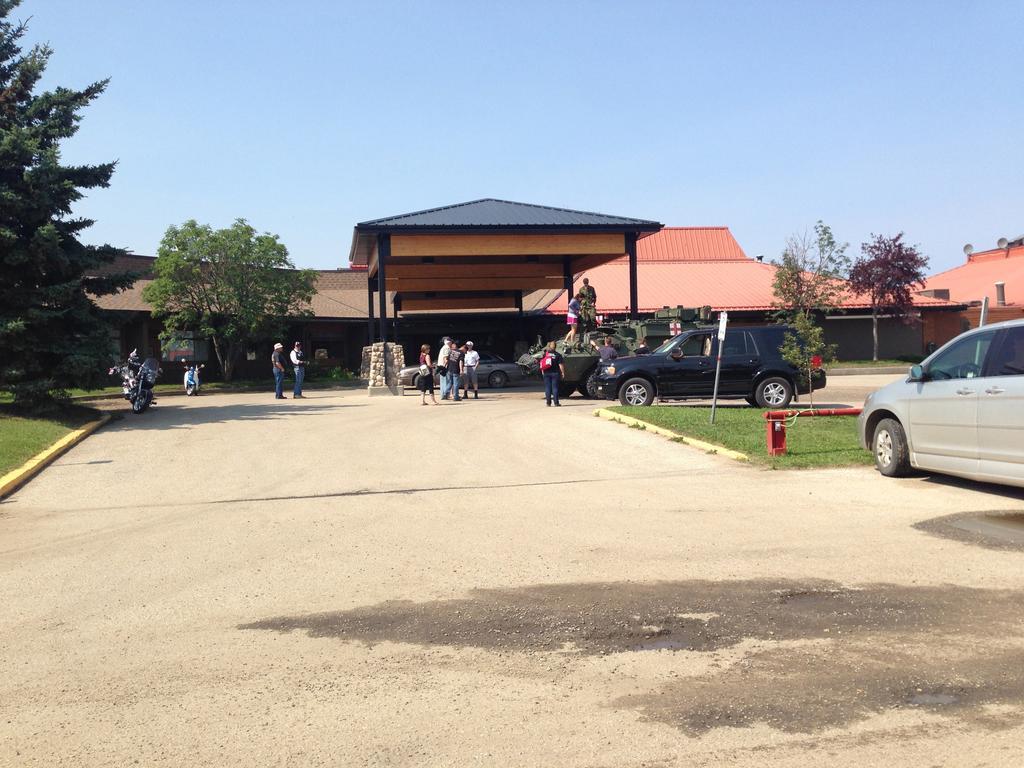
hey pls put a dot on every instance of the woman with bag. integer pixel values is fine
(425, 382)
(552, 368)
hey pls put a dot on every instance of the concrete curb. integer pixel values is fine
(693, 442)
(869, 370)
(16, 478)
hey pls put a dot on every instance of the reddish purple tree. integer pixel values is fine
(887, 273)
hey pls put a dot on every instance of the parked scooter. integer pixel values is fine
(192, 378)
(137, 380)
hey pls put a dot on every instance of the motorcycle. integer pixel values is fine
(192, 378)
(137, 380)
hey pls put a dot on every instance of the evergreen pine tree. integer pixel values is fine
(52, 335)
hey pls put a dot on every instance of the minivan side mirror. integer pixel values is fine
(917, 373)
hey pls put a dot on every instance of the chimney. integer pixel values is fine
(1000, 294)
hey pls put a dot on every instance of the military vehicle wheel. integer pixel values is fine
(497, 380)
(589, 387)
(774, 392)
(636, 392)
(565, 390)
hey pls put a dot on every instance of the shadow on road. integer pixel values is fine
(175, 416)
(1006, 491)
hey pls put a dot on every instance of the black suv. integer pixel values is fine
(684, 367)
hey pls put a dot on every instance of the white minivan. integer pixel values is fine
(960, 412)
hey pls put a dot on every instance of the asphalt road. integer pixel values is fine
(231, 580)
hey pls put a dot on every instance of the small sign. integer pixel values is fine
(723, 321)
(675, 328)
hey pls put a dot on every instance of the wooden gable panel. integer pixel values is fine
(507, 245)
(500, 269)
(458, 303)
(451, 285)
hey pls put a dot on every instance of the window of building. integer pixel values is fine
(186, 346)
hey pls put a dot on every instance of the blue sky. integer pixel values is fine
(306, 117)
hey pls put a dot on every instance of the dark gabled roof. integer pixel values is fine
(497, 214)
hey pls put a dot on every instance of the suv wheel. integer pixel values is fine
(889, 445)
(774, 392)
(636, 392)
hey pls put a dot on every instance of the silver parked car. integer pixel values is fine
(960, 412)
(492, 371)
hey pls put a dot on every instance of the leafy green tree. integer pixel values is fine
(51, 332)
(805, 342)
(886, 273)
(232, 285)
(809, 276)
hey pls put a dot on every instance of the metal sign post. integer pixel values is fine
(723, 321)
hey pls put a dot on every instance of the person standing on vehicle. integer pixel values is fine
(454, 370)
(425, 382)
(552, 367)
(571, 318)
(588, 305)
(277, 360)
(469, 363)
(299, 364)
(442, 366)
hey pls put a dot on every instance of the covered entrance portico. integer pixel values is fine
(484, 255)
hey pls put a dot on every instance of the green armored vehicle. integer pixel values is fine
(581, 358)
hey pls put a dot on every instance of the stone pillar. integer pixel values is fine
(380, 366)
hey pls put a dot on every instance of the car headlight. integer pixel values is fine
(610, 370)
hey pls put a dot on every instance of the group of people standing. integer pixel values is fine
(298, 360)
(456, 368)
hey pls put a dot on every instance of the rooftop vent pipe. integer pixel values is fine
(1000, 294)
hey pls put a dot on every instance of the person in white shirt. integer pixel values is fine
(442, 362)
(469, 364)
(298, 358)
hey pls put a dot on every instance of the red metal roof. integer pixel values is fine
(977, 278)
(693, 267)
(690, 244)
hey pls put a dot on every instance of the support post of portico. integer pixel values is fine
(631, 252)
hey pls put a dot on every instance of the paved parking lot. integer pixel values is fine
(232, 580)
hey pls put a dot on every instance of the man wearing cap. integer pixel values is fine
(277, 360)
(454, 363)
(469, 363)
(299, 363)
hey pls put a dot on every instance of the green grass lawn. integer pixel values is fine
(825, 441)
(23, 437)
